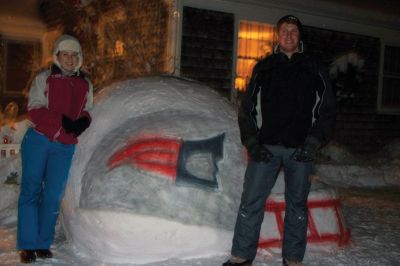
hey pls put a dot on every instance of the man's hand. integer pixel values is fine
(257, 152)
(308, 151)
(261, 154)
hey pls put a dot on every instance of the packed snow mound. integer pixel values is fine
(336, 153)
(11, 135)
(390, 153)
(13, 132)
(338, 166)
(160, 168)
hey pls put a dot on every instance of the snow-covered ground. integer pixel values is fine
(373, 216)
(369, 187)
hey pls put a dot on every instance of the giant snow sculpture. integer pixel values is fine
(158, 174)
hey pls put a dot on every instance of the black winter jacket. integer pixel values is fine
(296, 101)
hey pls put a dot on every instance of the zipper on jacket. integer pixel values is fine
(83, 101)
(58, 133)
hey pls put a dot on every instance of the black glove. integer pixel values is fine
(67, 124)
(257, 152)
(260, 154)
(77, 126)
(81, 124)
(308, 151)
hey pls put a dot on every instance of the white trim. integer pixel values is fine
(381, 109)
(236, 23)
(174, 38)
(21, 28)
(178, 10)
(380, 78)
(311, 13)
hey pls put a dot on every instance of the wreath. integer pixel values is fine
(346, 72)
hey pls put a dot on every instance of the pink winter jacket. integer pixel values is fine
(54, 94)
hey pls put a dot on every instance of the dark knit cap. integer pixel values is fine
(291, 20)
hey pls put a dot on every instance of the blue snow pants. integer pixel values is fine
(258, 183)
(45, 168)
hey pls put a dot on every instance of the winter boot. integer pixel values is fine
(235, 261)
(44, 253)
(286, 262)
(27, 256)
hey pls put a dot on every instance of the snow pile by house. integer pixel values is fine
(342, 168)
(11, 135)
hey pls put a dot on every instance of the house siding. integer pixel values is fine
(142, 27)
(358, 125)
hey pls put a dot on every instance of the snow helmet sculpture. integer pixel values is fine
(163, 151)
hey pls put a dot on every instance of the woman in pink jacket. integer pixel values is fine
(59, 100)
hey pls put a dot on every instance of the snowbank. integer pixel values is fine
(342, 168)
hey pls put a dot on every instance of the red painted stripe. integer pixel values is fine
(278, 209)
(141, 145)
(155, 154)
(272, 206)
(344, 233)
(311, 226)
(164, 169)
(323, 238)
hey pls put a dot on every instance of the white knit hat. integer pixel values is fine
(67, 43)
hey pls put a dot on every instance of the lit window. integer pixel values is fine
(389, 99)
(255, 41)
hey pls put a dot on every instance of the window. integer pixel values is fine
(119, 48)
(206, 48)
(111, 34)
(21, 62)
(389, 94)
(255, 41)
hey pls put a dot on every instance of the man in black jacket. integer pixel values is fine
(298, 113)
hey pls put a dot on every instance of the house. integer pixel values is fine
(360, 43)
(217, 42)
